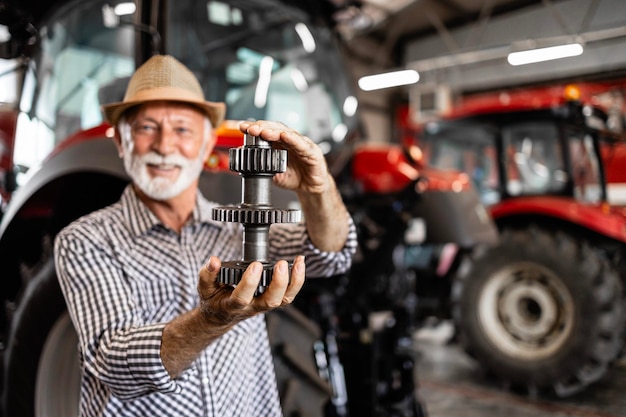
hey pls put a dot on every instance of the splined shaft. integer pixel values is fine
(257, 162)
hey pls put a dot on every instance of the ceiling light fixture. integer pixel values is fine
(299, 80)
(308, 41)
(263, 83)
(350, 104)
(5, 35)
(532, 56)
(123, 9)
(388, 79)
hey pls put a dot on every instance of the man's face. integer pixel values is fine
(166, 148)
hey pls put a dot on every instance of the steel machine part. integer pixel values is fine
(257, 162)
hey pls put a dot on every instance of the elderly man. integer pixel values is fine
(157, 334)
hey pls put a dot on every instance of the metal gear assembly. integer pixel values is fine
(256, 162)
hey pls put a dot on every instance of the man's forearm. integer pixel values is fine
(184, 338)
(326, 219)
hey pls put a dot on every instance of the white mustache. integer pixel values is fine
(154, 158)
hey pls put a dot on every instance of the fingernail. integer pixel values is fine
(299, 264)
(211, 266)
(256, 268)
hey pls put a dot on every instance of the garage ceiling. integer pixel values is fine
(464, 43)
(461, 46)
(389, 24)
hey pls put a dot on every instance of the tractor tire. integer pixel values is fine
(42, 375)
(542, 311)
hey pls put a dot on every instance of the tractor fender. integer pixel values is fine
(97, 155)
(599, 218)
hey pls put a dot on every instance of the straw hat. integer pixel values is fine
(163, 77)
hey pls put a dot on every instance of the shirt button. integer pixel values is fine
(205, 381)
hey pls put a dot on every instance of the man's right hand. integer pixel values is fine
(224, 305)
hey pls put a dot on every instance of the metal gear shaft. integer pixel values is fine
(257, 162)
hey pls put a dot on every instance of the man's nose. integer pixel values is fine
(165, 141)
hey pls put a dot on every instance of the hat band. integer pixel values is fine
(164, 93)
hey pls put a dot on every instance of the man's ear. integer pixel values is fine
(210, 145)
(117, 139)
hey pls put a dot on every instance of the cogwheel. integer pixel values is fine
(255, 215)
(232, 271)
(260, 161)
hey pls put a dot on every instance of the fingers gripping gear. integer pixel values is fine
(257, 162)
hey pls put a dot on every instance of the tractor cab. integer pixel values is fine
(516, 145)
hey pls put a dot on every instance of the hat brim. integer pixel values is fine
(214, 110)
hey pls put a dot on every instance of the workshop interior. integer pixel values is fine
(477, 145)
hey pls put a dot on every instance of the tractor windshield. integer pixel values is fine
(464, 147)
(77, 56)
(516, 157)
(266, 60)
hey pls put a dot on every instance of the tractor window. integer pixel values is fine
(266, 60)
(79, 55)
(533, 159)
(464, 147)
(585, 168)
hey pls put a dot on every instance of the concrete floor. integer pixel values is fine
(452, 385)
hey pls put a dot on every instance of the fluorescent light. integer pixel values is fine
(299, 80)
(263, 83)
(124, 9)
(307, 39)
(545, 54)
(5, 35)
(389, 79)
(339, 132)
(350, 105)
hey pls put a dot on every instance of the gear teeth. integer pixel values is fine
(260, 161)
(255, 215)
(257, 162)
(232, 271)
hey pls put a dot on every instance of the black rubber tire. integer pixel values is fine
(542, 311)
(41, 327)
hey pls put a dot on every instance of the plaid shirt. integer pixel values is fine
(124, 276)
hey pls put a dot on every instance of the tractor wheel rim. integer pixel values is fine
(526, 311)
(57, 387)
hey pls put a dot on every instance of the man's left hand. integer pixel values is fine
(306, 166)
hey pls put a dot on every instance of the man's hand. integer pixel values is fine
(307, 174)
(307, 171)
(222, 307)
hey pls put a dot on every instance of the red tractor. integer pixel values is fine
(544, 309)
(275, 59)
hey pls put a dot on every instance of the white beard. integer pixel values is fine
(159, 188)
